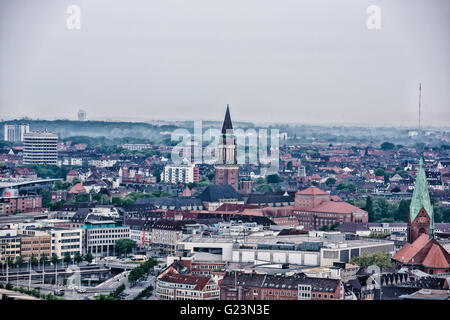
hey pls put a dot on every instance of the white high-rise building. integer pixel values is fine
(180, 174)
(15, 132)
(40, 147)
(81, 115)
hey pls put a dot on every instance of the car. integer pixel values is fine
(81, 290)
(58, 292)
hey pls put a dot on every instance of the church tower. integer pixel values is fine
(421, 218)
(226, 168)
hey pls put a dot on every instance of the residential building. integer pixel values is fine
(35, 246)
(177, 283)
(40, 147)
(15, 132)
(180, 174)
(10, 205)
(9, 245)
(253, 286)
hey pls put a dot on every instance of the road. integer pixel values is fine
(136, 289)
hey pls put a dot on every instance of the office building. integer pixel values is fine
(40, 147)
(180, 174)
(81, 115)
(15, 132)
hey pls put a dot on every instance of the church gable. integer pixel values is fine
(422, 218)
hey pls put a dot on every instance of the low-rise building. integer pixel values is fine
(167, 233)
(10, 205)
(252, 286)
(63, 240)
(9, 245)
(36, 246)
(177, 283)
(100, 236)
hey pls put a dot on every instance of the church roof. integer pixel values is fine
(227, 124)
(215, 193)
(421, 197)
(425, 251)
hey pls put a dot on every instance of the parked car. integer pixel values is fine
(59, 292)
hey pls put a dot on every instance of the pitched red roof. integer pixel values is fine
(312, 191)
(199, 281)
(335, 207)
(424, 251)
(78, 188)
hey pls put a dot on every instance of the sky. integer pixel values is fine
(296, 61)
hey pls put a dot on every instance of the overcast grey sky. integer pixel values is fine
(306, 61)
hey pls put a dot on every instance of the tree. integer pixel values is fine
(289, 166)
(346, 187)
(369, 208)
(124, 246)
(192, 185)
(19, 261)
(78, 258)
(88, 257)
(330, 182)
(157, 174)
(387, 176)
(383, 209)
(54, 259)
(379, 259)
(33, 260)
(264, 187)
(67, 258)
(43, 259)
(379, 172)
(82, 197)
(260, 181)
(387, 146)
(273, 178)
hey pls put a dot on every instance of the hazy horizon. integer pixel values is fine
(295, 62)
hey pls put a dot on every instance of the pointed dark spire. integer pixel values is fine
(227, 125)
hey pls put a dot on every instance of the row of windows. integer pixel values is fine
(288, 293)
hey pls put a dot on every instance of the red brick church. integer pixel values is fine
(422, 251)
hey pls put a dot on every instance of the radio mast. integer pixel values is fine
(420, 108)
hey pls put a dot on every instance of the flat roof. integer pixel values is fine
(11, 183)
(293, 239)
